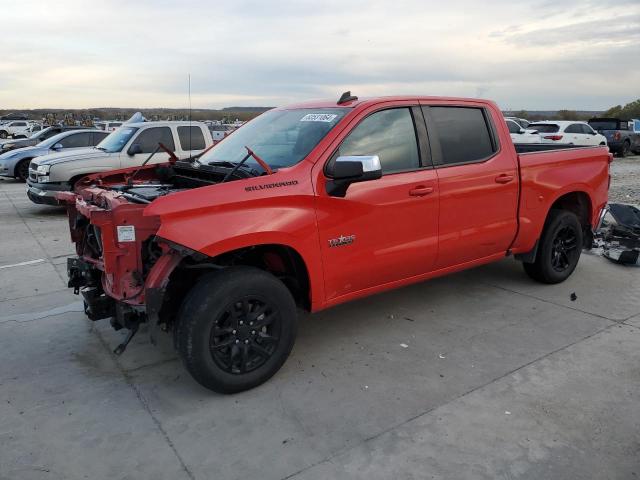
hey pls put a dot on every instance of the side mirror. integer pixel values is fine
(351, 169)
(57, 146)
(135, 149)
(521, 131)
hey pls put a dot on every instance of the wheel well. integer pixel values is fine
(282, 261)
(20, 162)
(578, 203)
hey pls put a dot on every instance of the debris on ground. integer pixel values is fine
(442, 355)
(573, 297)
(619, 234)
(404, 345)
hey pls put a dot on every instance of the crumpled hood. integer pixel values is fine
(69, 156)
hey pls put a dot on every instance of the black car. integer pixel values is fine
(34, 139)
(620, 138)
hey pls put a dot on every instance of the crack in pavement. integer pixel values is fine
(329, 458)
(559, 304)
(145, 406)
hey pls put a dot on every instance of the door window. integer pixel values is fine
(76, 140)
(149, 139)
(587, 129)
(390, 135)
(573, 128)
(191, 138)
(463, 133)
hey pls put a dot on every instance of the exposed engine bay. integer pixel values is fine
(179, 176)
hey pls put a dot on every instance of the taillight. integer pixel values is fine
(553, 137)
(617, 136)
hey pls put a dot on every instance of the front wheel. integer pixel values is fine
(559, 248)
(236, 328)
(22, 170)
(3, 134)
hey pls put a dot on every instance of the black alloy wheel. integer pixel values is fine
(245, 335)
(564, 248)
(559, 248)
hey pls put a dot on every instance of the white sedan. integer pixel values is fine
(572, 133)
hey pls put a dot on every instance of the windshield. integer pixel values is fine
(544, 127)
(280, 137)
(41, 134)
(116, 141)
(604, 125)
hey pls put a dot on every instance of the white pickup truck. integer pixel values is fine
(129, 146)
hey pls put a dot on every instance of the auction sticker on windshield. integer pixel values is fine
(319, 117)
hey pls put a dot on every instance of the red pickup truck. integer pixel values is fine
(315, 204)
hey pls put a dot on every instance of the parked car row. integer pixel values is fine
(618, 135)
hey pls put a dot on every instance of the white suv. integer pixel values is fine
(15, 129)
(572, 133)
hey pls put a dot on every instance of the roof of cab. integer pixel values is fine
(333, 103)
(180, 123)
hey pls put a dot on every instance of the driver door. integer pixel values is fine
(148, 140)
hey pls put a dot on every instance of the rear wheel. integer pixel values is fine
(236, 328)
(559, 248)
(22, 170)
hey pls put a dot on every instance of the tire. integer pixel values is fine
(216, 345)
(3, 134)
(559, 248)
(626, 148)
(22, 170)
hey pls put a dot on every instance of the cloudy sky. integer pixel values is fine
(540, 54)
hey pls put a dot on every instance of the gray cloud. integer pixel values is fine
(573, 53)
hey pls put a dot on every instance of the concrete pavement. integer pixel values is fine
(483, 374)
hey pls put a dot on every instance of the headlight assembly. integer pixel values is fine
(43, 169)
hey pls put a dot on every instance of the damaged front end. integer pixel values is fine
(619, 233)
(122, 268)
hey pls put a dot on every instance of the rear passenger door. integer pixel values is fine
(478, 182)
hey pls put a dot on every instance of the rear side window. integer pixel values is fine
(390, 134)
(463, 133)
(574, 128)
(149, 139)
(76, 140)
(191, 138)
(544, 127)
